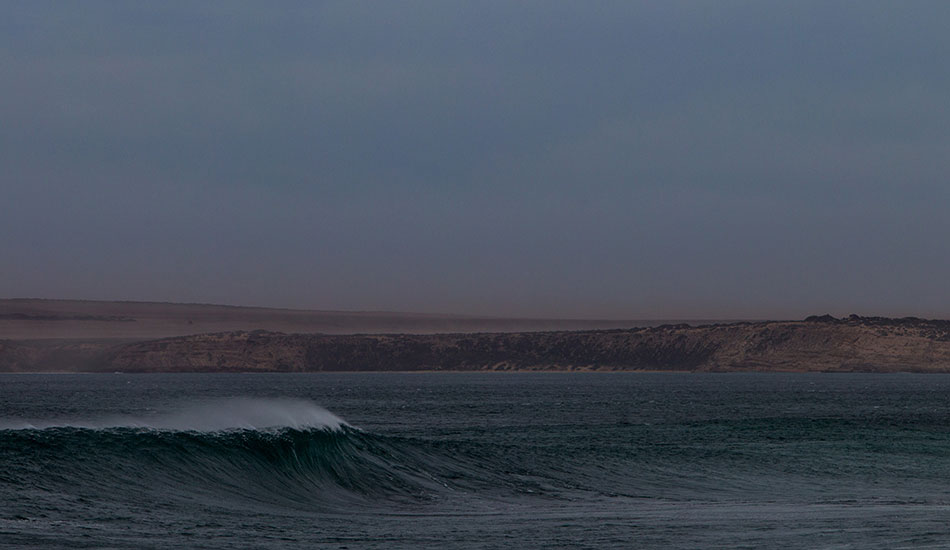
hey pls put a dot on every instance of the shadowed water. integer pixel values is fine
(475, 460)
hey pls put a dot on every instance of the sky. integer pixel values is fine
(628, 160)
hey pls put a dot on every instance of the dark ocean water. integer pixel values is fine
(595, 460)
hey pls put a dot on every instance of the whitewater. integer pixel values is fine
(477, 460)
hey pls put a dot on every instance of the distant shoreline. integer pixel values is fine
(478, 372)
(816, 344)
(41, 319)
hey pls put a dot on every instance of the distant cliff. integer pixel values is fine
(867, 344)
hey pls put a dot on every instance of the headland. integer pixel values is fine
(175, 338)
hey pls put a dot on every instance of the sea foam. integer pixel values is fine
(205, 416)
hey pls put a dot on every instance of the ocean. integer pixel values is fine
(475, 460)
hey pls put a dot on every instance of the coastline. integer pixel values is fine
(817, 344)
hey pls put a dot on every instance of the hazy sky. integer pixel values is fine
(574, 159)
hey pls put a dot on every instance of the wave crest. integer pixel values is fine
(208, 416)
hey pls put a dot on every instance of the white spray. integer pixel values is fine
(207, 416)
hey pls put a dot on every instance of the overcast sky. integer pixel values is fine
(568, 159)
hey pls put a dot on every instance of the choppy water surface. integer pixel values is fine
(475, 460)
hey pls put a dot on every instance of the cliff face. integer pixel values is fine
(816, 344)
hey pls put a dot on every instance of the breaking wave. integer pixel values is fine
(233, 453)
(209, 416)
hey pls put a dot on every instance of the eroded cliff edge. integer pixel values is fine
(867, 344)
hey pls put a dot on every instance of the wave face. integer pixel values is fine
(239, 452)
(472, 461)
(279, 455)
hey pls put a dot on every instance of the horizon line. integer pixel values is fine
(397, 312)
